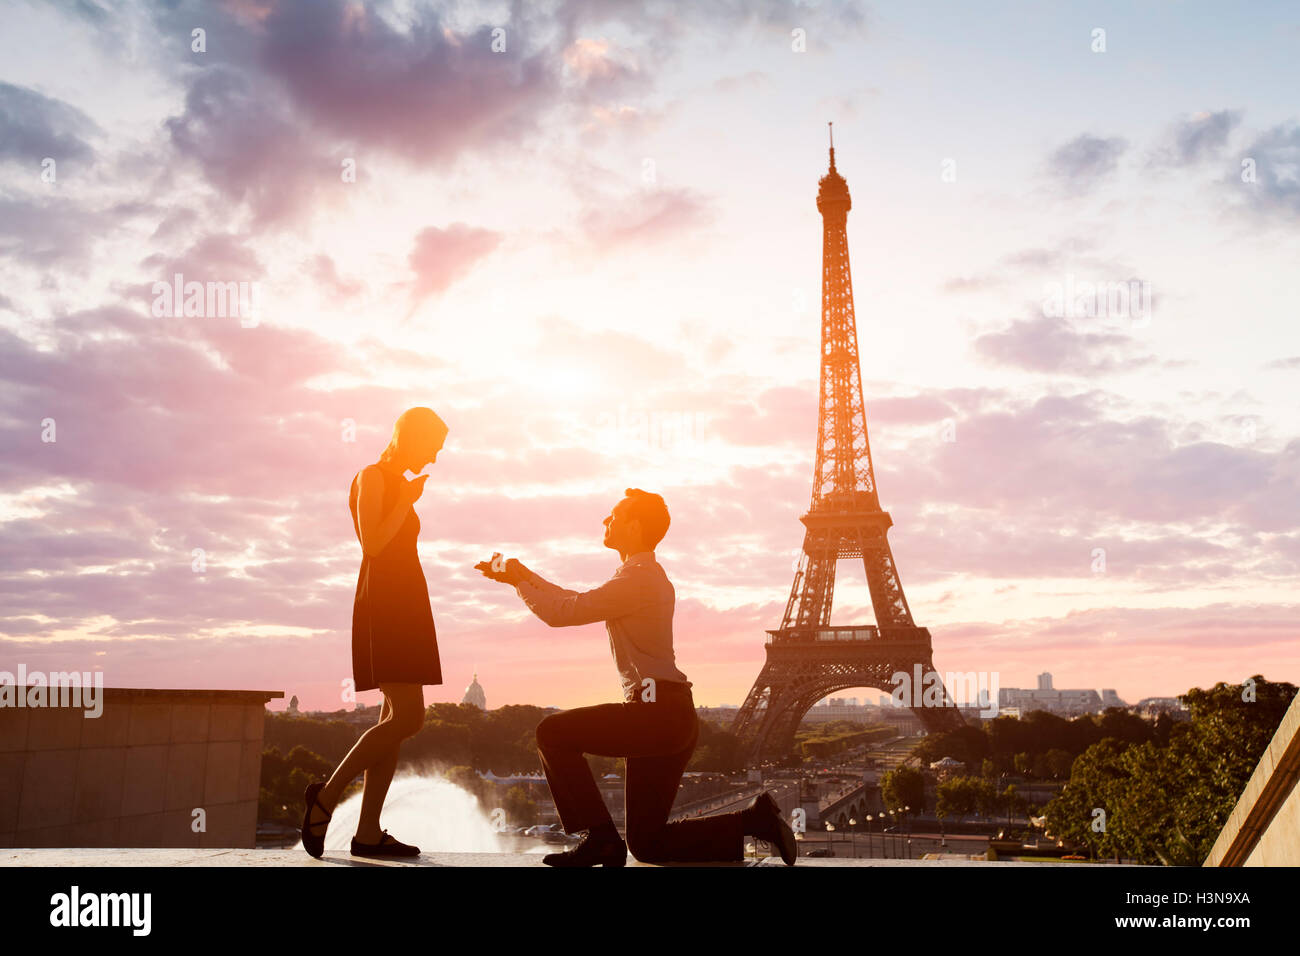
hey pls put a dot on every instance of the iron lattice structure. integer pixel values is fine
(808, 659)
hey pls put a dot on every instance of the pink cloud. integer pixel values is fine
(442, 256)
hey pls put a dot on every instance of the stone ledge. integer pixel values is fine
(97, 856)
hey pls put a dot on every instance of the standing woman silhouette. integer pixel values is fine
(394, 644)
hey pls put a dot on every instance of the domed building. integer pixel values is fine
(474, 695)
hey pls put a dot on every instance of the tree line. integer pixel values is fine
(1157, 792)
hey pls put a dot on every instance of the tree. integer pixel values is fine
(519, 807)
(903, 787)
(1118, 724)
(1058, 764)
(1167, 802)
(1098, 782)
(1012, 802)
(985, 795)
(717, 751)
(956, 797)
(968, 744)
(1040, 769)
(283, 780)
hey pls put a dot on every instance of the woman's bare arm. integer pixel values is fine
(378, 529)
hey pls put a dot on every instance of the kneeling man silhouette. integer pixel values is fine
(655, 727)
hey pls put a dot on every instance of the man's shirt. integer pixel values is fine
(636, 605)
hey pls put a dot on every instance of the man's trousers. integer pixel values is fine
(657, 738)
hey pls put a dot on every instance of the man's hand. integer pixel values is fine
(511, 574)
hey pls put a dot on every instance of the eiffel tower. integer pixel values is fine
(808, 659)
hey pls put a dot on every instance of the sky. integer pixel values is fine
(586, 235)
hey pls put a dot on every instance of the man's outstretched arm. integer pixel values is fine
(526, 573)
(560, 607)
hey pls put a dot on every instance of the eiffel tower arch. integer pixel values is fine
(807, 659)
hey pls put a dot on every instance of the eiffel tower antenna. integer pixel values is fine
(807, 658)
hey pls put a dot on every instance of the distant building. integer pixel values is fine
(947, 767)
(901, 718)
(361, 716)
(836, 708)
(474, 695)
(841, 708)
(1019, 701)
(1152, 707)
(723, 714)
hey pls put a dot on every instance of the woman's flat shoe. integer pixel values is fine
(313, 842)
(387, 846)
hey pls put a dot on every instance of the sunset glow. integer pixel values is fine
(596, 254)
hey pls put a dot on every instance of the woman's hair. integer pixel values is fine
(415, 425)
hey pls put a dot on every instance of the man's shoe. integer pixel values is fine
(592, 850)
(763, 820)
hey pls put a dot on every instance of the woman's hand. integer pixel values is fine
(410, 491)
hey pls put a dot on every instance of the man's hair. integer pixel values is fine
(651, 512)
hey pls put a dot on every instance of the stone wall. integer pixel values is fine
(135, 775)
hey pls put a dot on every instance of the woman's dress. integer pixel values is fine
(393, 637)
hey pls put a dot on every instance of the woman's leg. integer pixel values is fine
(380, 774)
(376, 780)
(378, 744)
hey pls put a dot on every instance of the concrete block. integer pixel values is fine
(94, 833)
(144, 789)
(231, 825)
(178, 829)
(144, 830)
(221, 778)
(47, 836)
(11, 788)
(190, 723)
(49, 787)
(150, 724)
(254, 721)
(55, 728)
(226, 721)
(100, 775)
(250, 770)
(185, 776)
(112, 728)
(13, 729)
